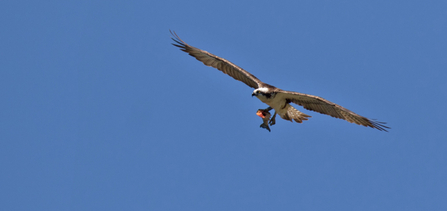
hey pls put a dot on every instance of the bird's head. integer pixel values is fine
(260, 92)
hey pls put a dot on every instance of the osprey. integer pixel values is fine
(276, 98)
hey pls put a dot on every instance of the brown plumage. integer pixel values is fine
(323, 106)
(276, 98)
(219, 63)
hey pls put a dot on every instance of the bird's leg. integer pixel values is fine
(273, 119)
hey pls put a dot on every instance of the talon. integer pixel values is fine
(272, 121)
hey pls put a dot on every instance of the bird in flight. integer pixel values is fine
(276, 98)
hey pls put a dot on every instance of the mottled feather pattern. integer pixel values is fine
(294, 114)
(219, 63)
(323, 106)
(309, 102)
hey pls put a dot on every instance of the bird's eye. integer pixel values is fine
(257, 92)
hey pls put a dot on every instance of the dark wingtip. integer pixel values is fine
(379, 125)
(178, 42)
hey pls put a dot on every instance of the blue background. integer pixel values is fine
(100, 112)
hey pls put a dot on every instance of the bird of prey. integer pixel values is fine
(276, 98)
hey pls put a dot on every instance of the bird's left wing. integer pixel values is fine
(219, 63)
(320, 105)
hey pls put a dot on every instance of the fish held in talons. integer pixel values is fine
(265, 115)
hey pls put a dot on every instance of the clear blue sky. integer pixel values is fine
(100, 112)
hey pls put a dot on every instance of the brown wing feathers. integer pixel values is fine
(309, 102)
(323, 106)
(219, 63)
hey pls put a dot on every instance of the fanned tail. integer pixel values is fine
(292, 113)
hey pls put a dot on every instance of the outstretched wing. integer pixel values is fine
(323, 106)
(219, 63)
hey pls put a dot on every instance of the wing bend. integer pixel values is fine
(219, 63)
(320, 105)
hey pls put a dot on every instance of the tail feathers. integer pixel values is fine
(292, 113)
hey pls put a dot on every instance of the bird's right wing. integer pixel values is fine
(219, 63)
(323, 106)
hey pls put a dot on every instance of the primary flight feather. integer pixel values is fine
(276, 98)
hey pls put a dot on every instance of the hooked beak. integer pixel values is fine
(253, 94)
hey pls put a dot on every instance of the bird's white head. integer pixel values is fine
(262, 91)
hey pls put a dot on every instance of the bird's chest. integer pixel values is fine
(273, 101)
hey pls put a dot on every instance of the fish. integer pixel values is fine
(265, 115)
